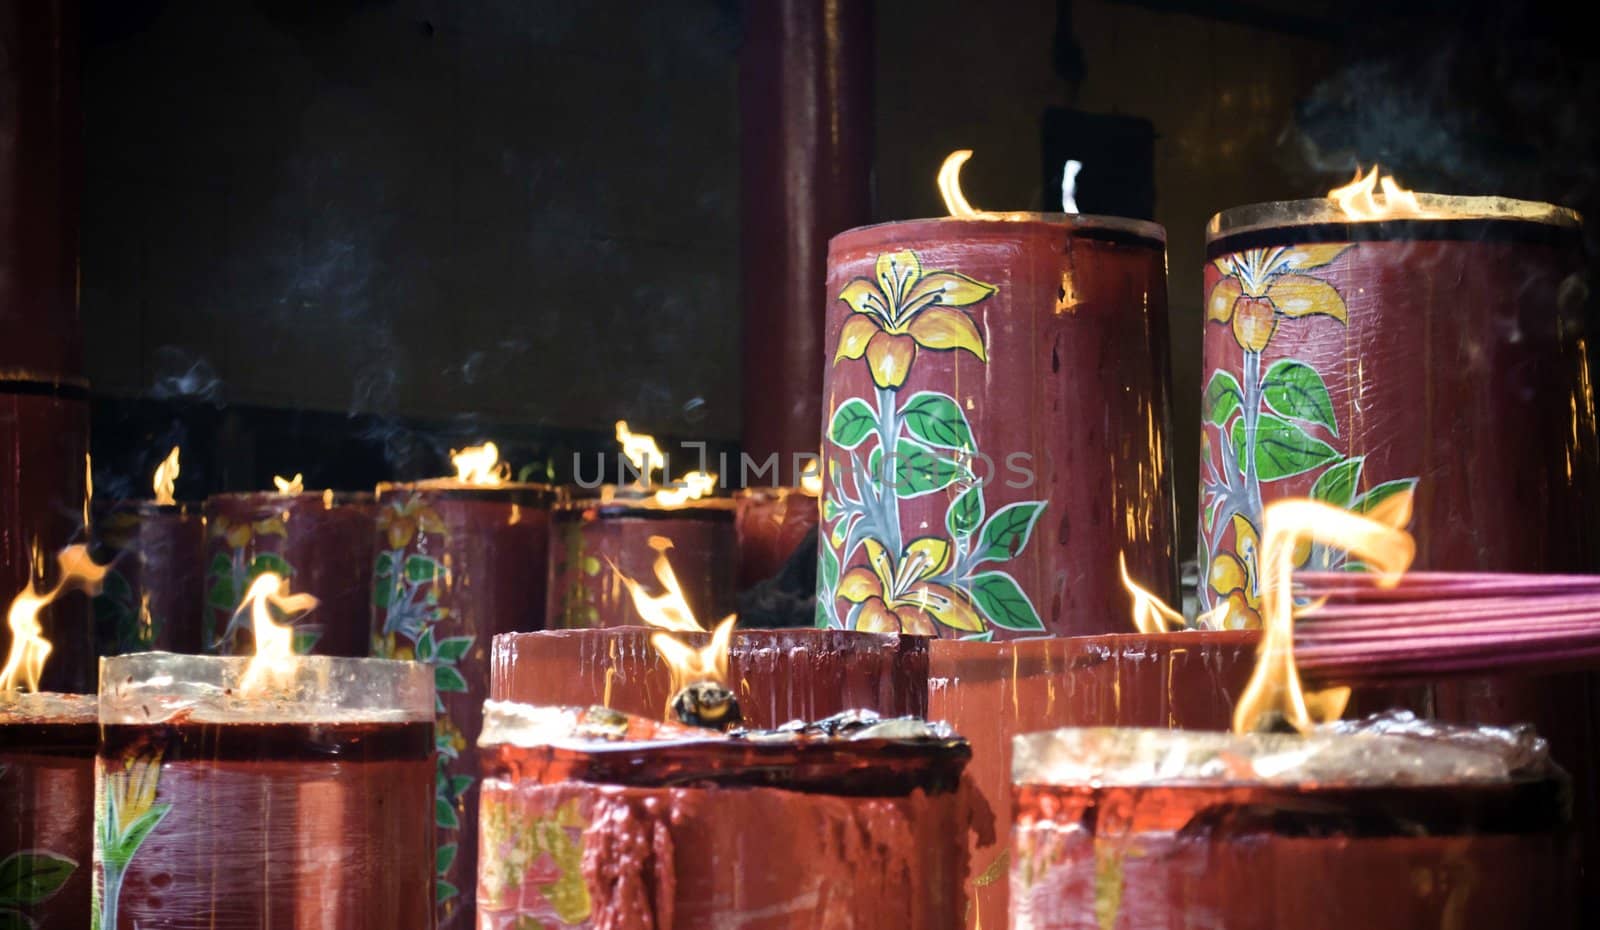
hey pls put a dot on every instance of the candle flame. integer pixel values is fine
(1150, 614)
(295, 485)
(480, 466)
(811, 478)
(955, 202)
(272, 666)
(29, 648)
(641, 451)
(1377, 538)
(691, 487)
(1358, 201)
(670, 613)
(669, 610)
(1069, 185)
(166, 478)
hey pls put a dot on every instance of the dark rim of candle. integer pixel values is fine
(77, 737)
(353, 741)
(103, 508)
(610, 500)
(852, 768)
(33, 384)
(1518, 806)
(542, 496)
(1116, 230)
(1401, 230)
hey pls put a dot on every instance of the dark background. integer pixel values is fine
(342, 236)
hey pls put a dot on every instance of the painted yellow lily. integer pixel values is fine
(1261, 286)
(906, 309)
(897, 597)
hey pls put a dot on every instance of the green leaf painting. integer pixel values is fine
(966, 512)
(1337, 484)
(1379, 493)
(1283, 449)
(919, 470)
(1001, 599)
(1008, 531)
(31, 876)
(852, 423)
(1293, 389)
(1223, 398)
(937, 420)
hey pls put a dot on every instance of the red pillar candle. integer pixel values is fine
(1158, 830)
(303, 806)
(592, 819)
(771, 523)
(995, 425)
(47, 746)
(992, 692)
(321, 541)
(458, 564)
(597, 541)
(153, 593)
(1441, 349)
(778, 675)
(44, 448)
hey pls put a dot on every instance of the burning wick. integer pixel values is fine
(1275, 693)
(480, 466)
(641, 452)
(1357, 201)
(166, 478)
(273, 665)
(290, 486)
(700, 696)
(692, 487)
(1069, 185)
(29, 648)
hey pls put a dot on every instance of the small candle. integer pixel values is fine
(321, 540)
(47, 746)
(995, 425)
(153, 593)
(1391, 826)
(596, 819)
(621, 531)
(301, 799)
(772, 523)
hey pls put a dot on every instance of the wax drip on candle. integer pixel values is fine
(29, 648)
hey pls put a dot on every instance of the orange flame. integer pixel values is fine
(670, 609)
(166, 478)
(670, 613)
(1376, 538)
(480, 466)
(273, 664)
(955, 202)
(811, 478)
(1150, 614)
(691, 487)
(29, 648)
(1356, 199)
(295, 485)
(641, 451)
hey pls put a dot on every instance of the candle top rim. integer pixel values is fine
(47, 707)
(1436, 208)
(1393, 749)
(454, 487)
(1000, 221)
(634, 497)
(153, 687)
(308, 495)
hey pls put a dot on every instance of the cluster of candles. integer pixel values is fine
(551, 730)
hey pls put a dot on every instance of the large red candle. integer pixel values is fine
(1127, 829)
(995, 425)
(458, 564)
(772, 523)
(321, 541)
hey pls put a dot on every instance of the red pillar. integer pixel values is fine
(805, 100)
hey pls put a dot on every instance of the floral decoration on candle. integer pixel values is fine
(931, 582)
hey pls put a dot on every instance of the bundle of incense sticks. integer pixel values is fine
(1351, 630)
